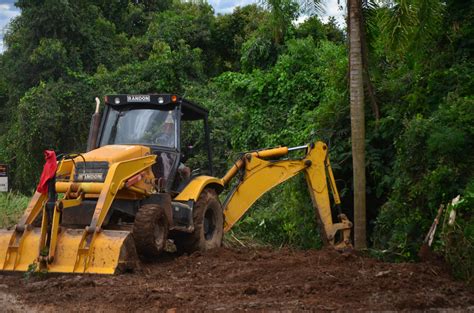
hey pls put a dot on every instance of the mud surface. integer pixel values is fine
(246, 280)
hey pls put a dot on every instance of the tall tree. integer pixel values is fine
(356, 90)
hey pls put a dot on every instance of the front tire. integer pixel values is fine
(208, 221)
(150, 231)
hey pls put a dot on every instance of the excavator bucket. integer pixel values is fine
(113, 252)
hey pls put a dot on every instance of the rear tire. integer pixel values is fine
(208, 221)
(150, 231)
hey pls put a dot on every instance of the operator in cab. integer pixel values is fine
(166, 137)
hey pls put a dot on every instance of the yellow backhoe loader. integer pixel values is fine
(131, 193)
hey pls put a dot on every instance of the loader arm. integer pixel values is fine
(259, 173)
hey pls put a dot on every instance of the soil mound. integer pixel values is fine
(250, 279)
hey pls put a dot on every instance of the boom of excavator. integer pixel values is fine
(123, 201)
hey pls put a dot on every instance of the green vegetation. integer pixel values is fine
(456, 242)
(12, 206)
(266, 82)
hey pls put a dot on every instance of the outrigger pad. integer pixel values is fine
(113, 252)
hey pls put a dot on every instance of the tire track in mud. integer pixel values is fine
(9, 303)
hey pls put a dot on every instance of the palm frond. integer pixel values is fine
(311, 7)
(307, 7)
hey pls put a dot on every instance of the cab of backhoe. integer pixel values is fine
(155, 121)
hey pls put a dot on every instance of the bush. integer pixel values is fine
(12, 206)
(284, 216)
(457, 237)
(433, 164)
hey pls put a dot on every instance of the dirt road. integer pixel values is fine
(246, 280)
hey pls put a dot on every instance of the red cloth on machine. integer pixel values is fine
(49, 170)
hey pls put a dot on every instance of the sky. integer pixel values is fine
(9, 11)
(331, 7)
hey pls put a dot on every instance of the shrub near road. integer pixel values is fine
(12, 205)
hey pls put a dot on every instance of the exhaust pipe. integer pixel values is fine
(94, 128)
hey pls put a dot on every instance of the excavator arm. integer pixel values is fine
(260, 171)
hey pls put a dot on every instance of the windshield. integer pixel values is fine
(140, 126)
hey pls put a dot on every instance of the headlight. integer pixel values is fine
(91, 171)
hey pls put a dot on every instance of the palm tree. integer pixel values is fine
(356, 91)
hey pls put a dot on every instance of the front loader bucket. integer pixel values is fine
(114, 251)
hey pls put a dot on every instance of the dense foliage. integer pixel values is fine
(267, 82)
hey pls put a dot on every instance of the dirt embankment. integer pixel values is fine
(230, 279)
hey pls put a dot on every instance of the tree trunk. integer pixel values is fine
(356, 90)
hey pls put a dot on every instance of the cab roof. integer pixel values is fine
(190, 111)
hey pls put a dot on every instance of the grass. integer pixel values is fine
(237, 239)
(12, 206)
